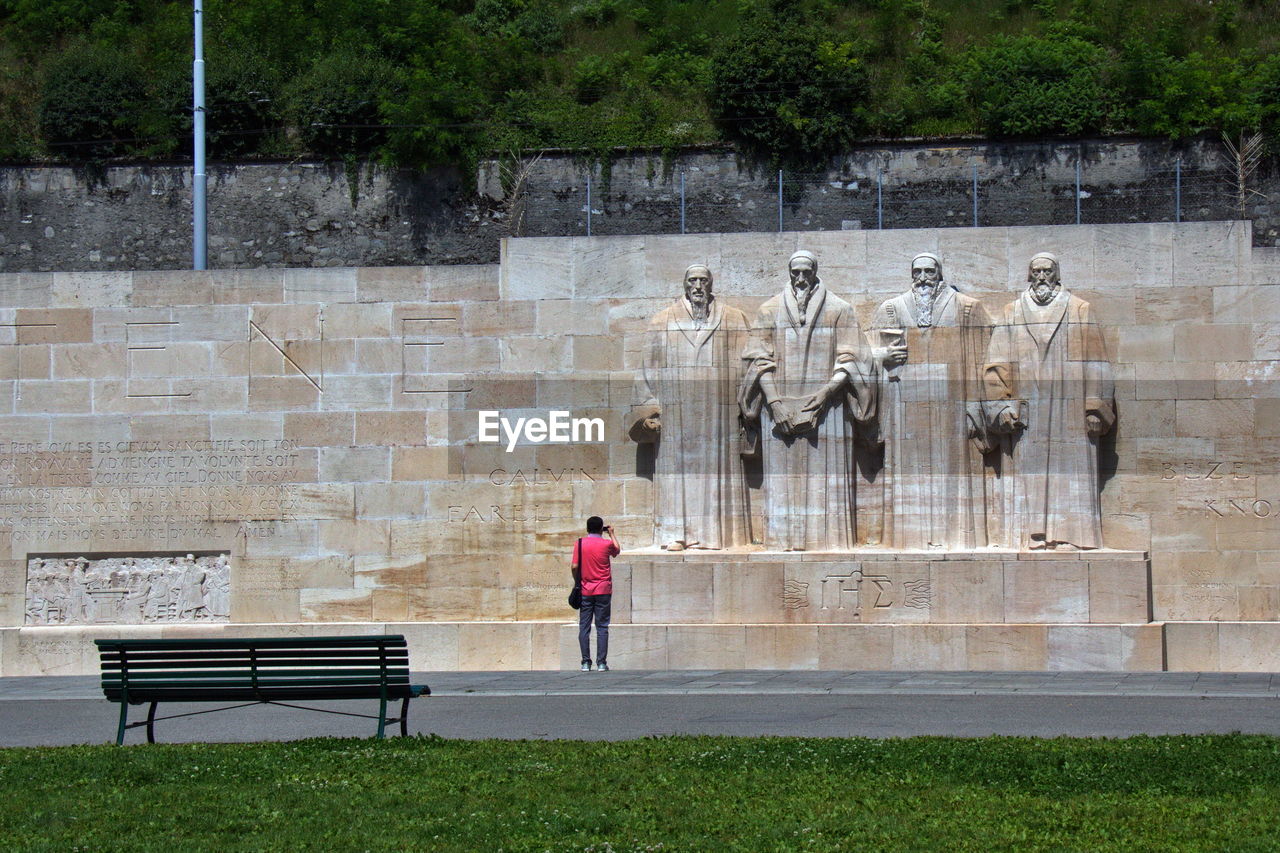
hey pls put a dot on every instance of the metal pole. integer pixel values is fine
(1178, 190)
(975, 195)
(1077, 190)
(588, 204)
(681, 201)
(779, 200)
(880, 201)
(199, 183)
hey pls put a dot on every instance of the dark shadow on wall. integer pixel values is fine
(443, 217)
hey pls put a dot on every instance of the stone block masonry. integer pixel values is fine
(317, 427)
(137, 217)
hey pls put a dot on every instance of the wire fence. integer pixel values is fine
(697, 202)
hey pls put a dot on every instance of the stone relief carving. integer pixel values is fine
(806, 382)
(931, 343)
(128, 590)
(989, 428)
(1051, 395)
(688, 388)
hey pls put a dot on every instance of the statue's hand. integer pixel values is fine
(895, 356)
(782, 416)
(814, 402)
(653, 424)
(1006, 421)
(1093, 424)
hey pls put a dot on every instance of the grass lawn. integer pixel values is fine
(677, 793)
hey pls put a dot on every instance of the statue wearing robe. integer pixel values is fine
(689, 381)
(805, 383)
(935, 481)
(1050, 389)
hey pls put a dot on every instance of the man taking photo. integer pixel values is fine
(592, 571)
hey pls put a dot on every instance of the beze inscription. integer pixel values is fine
(1204, 471)
(128, 590)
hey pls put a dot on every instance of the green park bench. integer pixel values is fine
(268, 671)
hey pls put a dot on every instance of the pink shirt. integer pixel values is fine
(597, 578)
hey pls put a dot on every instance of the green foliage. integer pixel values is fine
(242, 93)
(592, 78)
(19, 94)
(91, 102)
(1267, 99)
(46, 19)
(674, 793)
(534, 21)
(789, 80)
(1179, 97)
(336, 107)
(1029, 86)
(787, 90)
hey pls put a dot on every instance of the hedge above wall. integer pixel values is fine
(790, 81)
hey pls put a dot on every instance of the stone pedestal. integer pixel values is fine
(882, 587)
(887, 647)
(875, 609)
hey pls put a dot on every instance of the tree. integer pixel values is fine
(787, 90)
(1033, 85)
(90, 101)
(337, 106)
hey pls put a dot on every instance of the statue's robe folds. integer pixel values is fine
(809, 495)
(935, 481)
(1050, 365)
(690, 379)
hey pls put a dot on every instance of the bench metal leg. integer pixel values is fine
(124, 718)
(404, 717)
(382, 718)
(151, 723)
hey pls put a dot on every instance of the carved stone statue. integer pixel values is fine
(220, 589)
(1050, 391)
(931, 343)
(688, 384)
(806, 380)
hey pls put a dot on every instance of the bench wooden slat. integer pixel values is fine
(362, 688)
(356, 640)
(273, 664)
(260, 654)
(278, 694)
(227, 676)
(205, 675)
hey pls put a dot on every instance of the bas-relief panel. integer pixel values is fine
(133, 590)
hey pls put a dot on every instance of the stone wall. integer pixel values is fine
(317, 215)
(318, 427)
(260, 215)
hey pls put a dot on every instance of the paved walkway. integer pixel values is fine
(621, 705)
